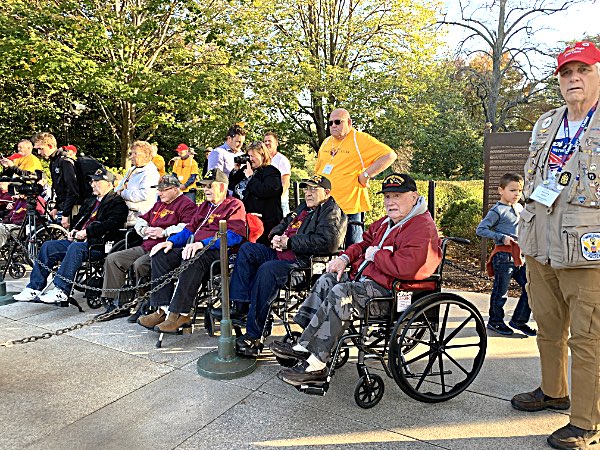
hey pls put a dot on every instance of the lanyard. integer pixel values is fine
(156, 214)
(210, 211)
(573, 141)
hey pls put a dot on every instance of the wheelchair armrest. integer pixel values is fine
(435, 278)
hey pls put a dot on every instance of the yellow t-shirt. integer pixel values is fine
(184, 168)
(159, 162)
(30, 163)
(339, 160)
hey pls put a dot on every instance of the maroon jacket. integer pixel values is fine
(410, 252)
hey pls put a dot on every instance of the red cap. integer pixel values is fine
(585, 52)
(15, 156)
(182, 147)
(71, 148)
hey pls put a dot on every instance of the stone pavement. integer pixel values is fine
(107, 386)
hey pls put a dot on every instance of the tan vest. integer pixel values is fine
(567, 234)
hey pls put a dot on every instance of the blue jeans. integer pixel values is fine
(504, 270)
(354, 232)
(71, 253)
(257, 277)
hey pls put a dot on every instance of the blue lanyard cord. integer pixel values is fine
(575, 139)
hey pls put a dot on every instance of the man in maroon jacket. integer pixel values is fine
(402, 245)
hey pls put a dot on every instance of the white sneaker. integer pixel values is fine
(54, 296)
(26, 295)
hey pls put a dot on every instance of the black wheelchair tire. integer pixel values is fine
(369, 390)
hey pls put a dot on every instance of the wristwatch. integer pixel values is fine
(366, 175)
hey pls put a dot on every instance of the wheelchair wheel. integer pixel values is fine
(342, 358)
(293, 337)
(16, 271)
(369, 390)
(50, 232)
(95, 302)
(446, 355)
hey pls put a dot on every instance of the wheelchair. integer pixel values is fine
(18, 256)
(432, 343)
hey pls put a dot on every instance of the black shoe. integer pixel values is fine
(523, 328)
(538, 401)
(572, 437)
(135, 316)
(500, 328)
(297, 375)
(234, 315)
(284, 350)
(247, 346)
(110, 308)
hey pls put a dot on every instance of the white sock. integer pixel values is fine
(314, 364)
(165, 309)
(299, 348)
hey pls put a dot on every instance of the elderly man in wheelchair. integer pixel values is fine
(100, 217)
(316, 227)
(402, 245)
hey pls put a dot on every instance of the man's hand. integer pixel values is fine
(364, 181)
(191, 249)
(53, 213)
(370, 253)
(167, 245)
(71, 235)
(337, 265)
(65, 222)
(81, 235)
(154, 232)
(6, 162)
(507, 240)
(276, 243)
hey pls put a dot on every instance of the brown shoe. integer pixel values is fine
(572, 437)
(151, 320)
(173, 323)
(538, 401)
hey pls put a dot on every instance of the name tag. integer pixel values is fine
(544, 195)
(403, 300)
(327, 169)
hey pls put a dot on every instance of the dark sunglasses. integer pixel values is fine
(336, 121)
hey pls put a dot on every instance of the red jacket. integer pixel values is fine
(410, 252)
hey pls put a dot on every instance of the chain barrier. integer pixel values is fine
(162, 280)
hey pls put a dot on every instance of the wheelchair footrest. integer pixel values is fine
(71, 301)
(314, 388)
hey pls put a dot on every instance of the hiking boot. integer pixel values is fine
(173, 323)
(285, 350)
(248, 346)
(538, 401)
(297, 375)
(572, 437)
(523, 328)
(500, 328)
(151, 320)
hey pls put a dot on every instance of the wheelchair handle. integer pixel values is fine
(458, 240)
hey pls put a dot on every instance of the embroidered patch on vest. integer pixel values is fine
(564, 178)
(590, 246)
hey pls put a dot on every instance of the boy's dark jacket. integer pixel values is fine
(321, 233)
(111, 216)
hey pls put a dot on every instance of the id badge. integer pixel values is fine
(108, 246)
(327, 169)
(544, 195)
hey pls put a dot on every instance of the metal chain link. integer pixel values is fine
(166, 279)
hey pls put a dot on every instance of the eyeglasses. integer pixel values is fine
(336, 121)
(311, 189)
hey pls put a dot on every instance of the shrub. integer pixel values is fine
(461, 219)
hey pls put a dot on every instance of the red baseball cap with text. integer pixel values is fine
(585, 52)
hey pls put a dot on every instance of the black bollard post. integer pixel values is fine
(223, 363)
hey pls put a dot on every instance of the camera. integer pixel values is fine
(241, 159)
(26, 185)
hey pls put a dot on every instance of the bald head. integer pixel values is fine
(339, 123)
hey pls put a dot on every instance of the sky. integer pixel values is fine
(578, 21)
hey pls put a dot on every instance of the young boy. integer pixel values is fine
(500, 224)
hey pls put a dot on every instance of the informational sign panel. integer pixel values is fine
(503, 152)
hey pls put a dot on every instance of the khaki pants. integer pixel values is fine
(563, 300)
(118, 263)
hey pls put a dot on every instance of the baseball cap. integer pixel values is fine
(585, 52)
(182, 147)
(398, 182)
(316, 180)
(214, 175)
(167, 181)
(102, 174)
(71, 148)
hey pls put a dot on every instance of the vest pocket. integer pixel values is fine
(527, 234)
(581, 239)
